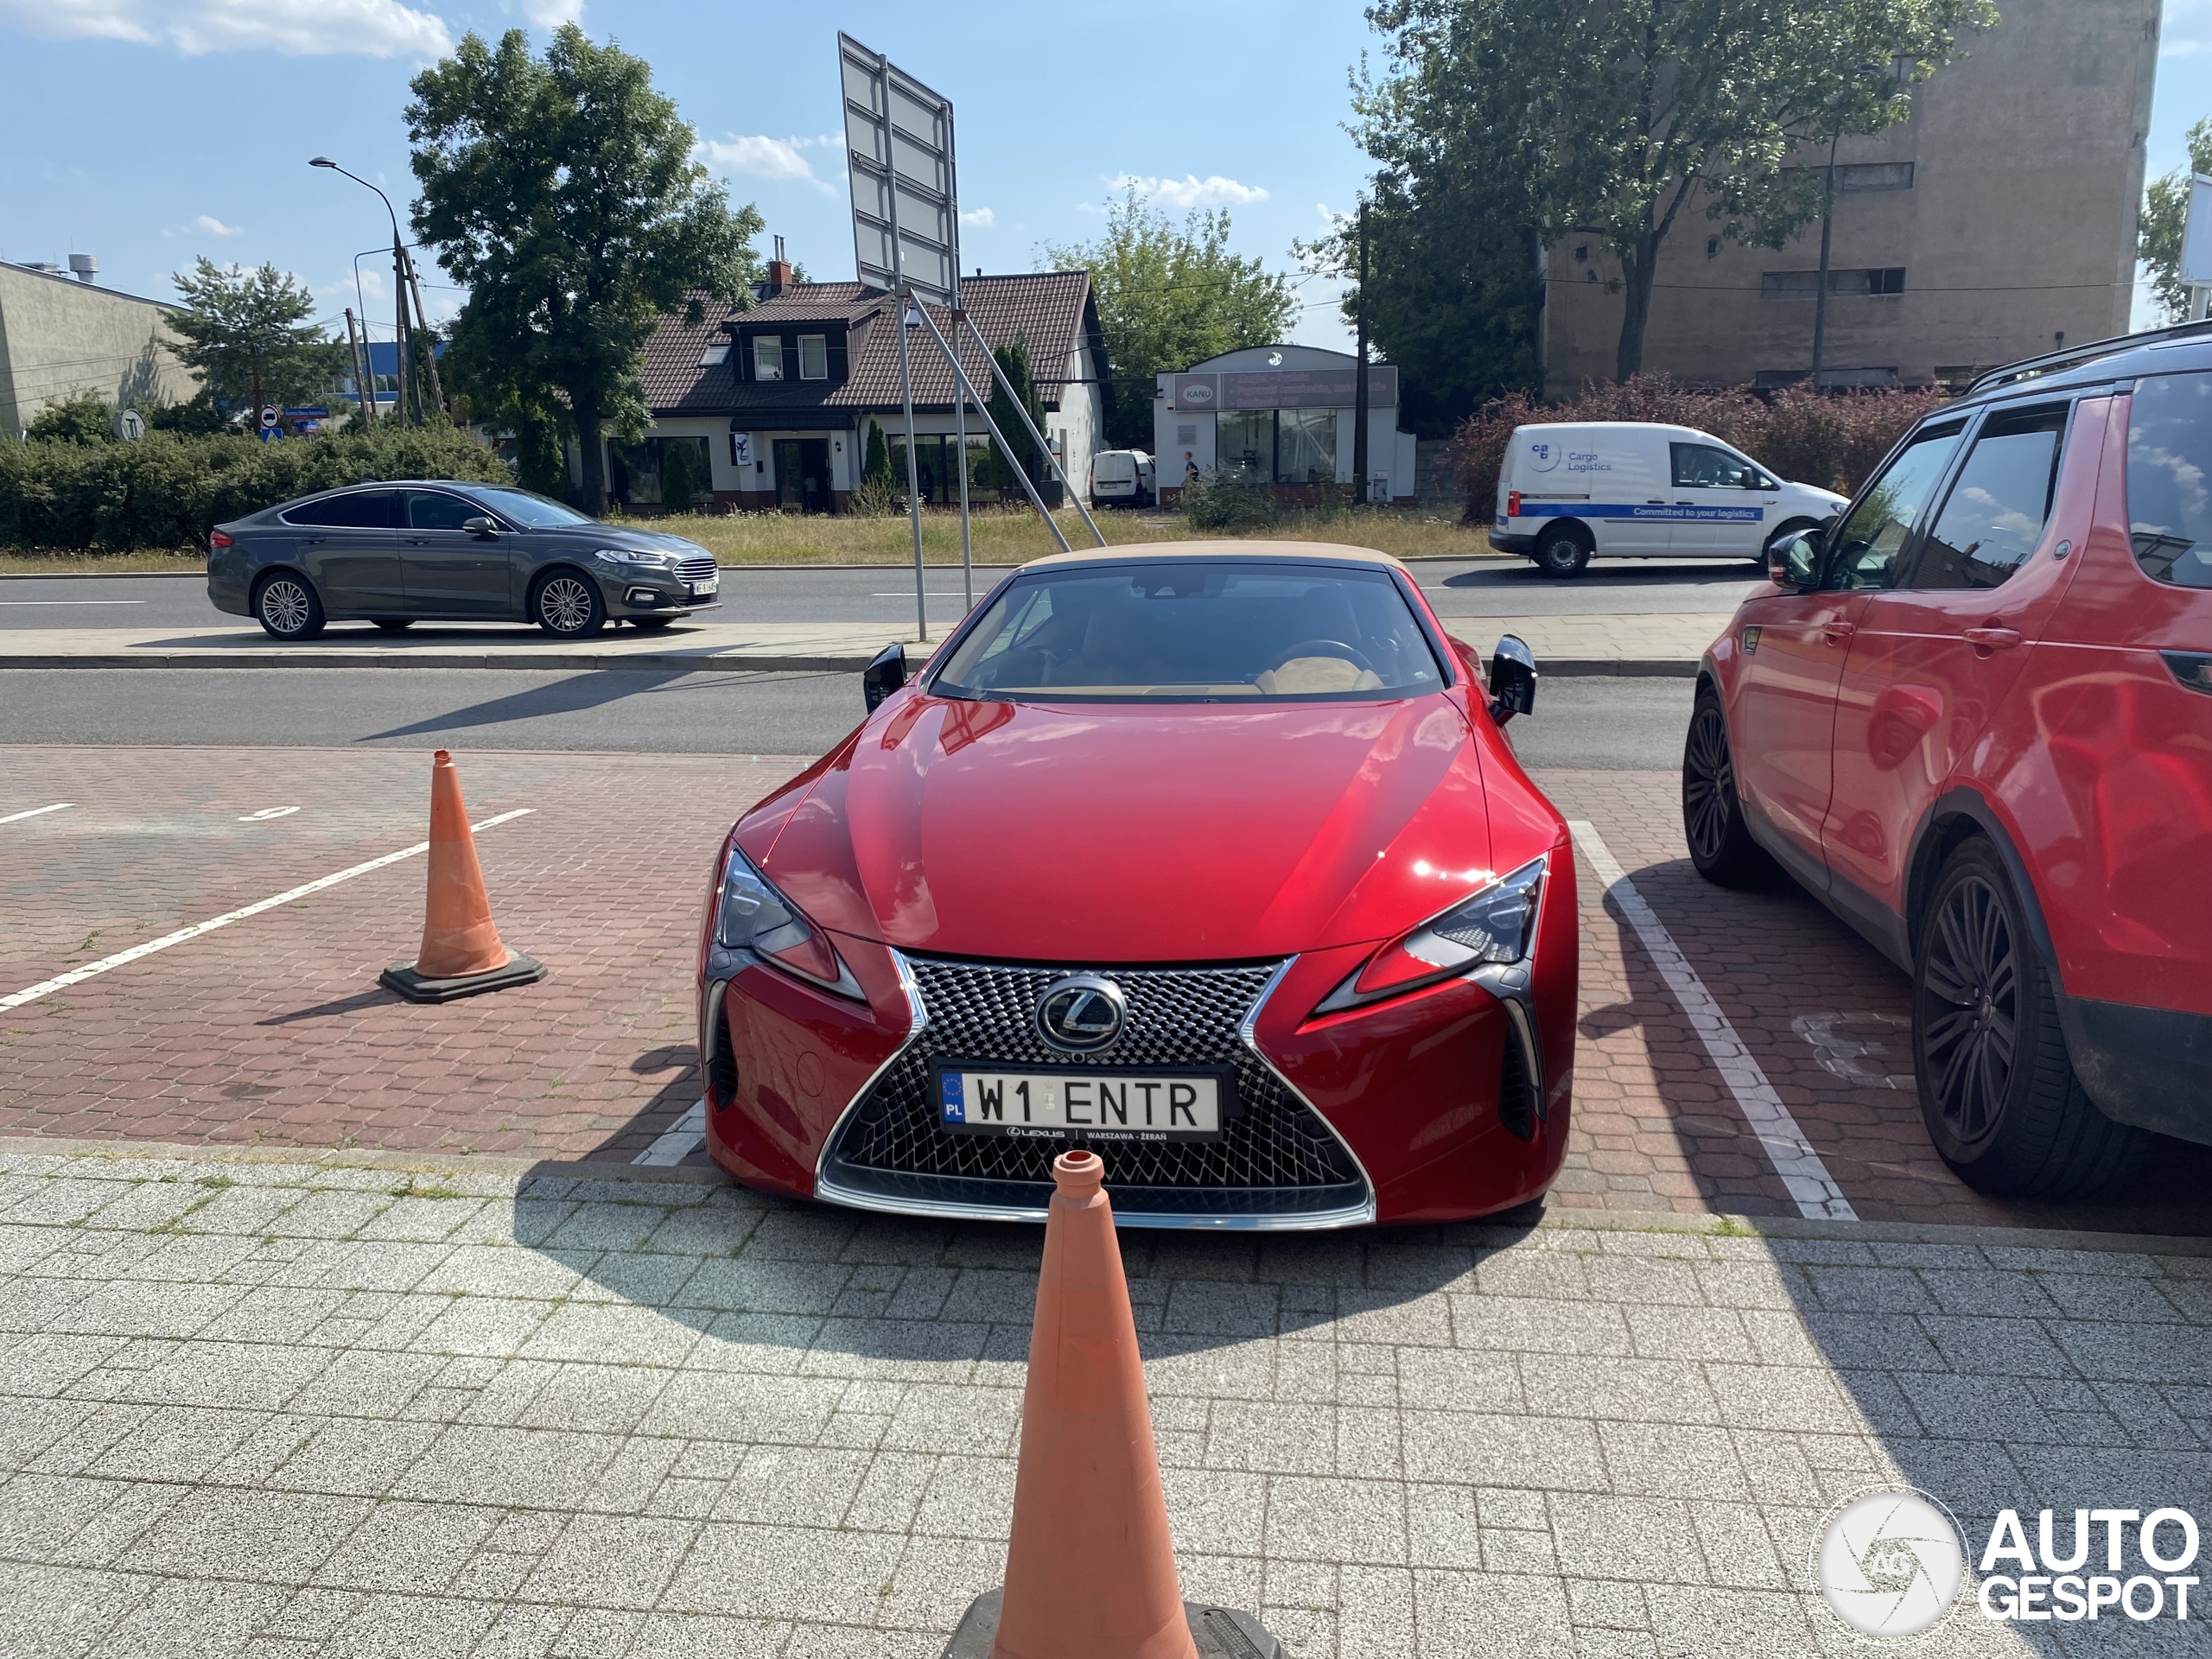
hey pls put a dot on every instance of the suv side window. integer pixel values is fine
(2169, 478)
(1866, 544)
(362, 510)
(1994, 515)
(1702, 467)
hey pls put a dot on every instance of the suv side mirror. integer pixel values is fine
(1512, 679)
(883, 675)
(1796, 564)
(485, 529)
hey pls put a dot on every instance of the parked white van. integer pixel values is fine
(1634, 489)
(1123, 478)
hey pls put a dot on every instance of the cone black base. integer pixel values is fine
(402, 978)
(1219, 1632)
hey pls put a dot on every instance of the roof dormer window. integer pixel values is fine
(767, 356)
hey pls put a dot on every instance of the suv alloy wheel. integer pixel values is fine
(1997, 1091)
(1712, 815)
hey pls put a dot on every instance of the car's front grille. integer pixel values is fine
(1274, 1156)
(695, 570)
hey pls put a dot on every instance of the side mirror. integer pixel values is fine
(481, 527)
(1796, 564)
(1512, 679)
(883, 675)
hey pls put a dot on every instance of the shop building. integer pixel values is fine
(1282, 415)
(770, 406)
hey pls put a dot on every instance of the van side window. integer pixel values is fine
(2169, 478)
(1702, 467)
(1866, 543)
(1994, 516)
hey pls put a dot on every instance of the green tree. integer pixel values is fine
(82, 417)
(877, 468)
(562, 193)
(2165, 216)
(246, 335)
(1013, 363)
(1613, 120)
(1169, 296)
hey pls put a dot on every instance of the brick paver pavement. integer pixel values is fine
(259, 1409)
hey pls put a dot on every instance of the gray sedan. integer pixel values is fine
(397, 553)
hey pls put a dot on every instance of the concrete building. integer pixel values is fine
(1997, 223)
(1281, 415)
(774, 402)
(60, 335)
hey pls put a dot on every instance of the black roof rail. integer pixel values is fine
(2051, 362)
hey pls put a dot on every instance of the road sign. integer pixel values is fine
(905, 195)
(129, 425)
(267, 417)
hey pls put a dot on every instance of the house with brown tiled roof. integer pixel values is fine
(775, 401)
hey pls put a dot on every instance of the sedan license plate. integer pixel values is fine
(1061, 1106)
(706, 589)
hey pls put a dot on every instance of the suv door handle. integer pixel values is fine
(1837, 632)
(1992, 638)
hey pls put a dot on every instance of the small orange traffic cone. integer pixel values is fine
(461, 954)
(1090, 1573)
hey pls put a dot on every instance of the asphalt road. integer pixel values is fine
(885, 593)
(1608, 724)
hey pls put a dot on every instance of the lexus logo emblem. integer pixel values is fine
(1080, 1014)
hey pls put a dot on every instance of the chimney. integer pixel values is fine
(780, 272)
(87, 267)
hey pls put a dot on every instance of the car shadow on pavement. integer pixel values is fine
(572, 694)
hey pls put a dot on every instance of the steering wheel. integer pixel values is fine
(1322, 648)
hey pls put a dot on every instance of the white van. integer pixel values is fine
(1123, 478)
(1635, 489)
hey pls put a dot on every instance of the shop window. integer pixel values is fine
(1244, 445)
(1305, 446)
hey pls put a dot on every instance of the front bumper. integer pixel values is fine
(1445, 1103)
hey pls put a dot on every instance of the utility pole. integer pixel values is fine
(1821, 293)
(406, 345)
(429, 343)
(364, 387)
(1359, 372)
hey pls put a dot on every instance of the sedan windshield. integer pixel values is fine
(1195, 630)
(531, 510)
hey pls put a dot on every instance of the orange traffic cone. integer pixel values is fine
(1091, 1571)
(461, 954)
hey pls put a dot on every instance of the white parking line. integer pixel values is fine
(72, 601)
(1804, 1174)
(78, 976)
(679, 1139)
(34, 812)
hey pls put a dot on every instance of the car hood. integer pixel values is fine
(1114, 834)
(650, 541)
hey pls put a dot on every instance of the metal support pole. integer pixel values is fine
(1821, 293)
(429, 341)
(363, 391)
(405, 346)
(960, 427)
(913, 479)
(1036, 437)
(963, 384)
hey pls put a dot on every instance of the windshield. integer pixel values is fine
(531, 510)
(1197, 630)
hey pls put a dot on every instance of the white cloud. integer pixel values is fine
(1188, 191)
(214, 226)
(551, 14)
(980, 219)
(756, 156)
(377, 28)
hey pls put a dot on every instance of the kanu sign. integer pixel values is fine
(1891, 1564)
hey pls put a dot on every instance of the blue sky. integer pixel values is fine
(146, 131)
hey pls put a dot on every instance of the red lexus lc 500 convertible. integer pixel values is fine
(1211, 857)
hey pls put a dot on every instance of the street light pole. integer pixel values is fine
(400, 282)
(1359, 394)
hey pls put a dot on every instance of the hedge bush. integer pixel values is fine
(167, 492)
(1833, 439)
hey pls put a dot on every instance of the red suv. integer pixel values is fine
(1974, 716)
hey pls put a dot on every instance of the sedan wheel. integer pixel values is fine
(1712, 815)
(288, 607)
(567, 606)
(1997, 1090)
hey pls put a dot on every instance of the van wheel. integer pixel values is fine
(1563, 550)
(1712, 815)
(1997, 1091)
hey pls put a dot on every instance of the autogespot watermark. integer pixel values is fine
(1890, 1563)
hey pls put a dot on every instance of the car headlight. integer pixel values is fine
(635, 558)
(752, 915)
(1497, 924)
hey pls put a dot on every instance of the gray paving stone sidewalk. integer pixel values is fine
(252, 1408)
